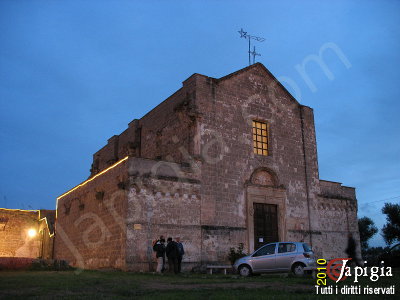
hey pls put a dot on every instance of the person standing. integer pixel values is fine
(159, 248)
(172, 255)
(351, 249)
(181, 252)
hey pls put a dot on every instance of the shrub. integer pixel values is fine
(235, 254)
(50, 265)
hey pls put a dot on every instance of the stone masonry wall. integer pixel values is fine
(90, 227)
(161, 201)
(336, 211)
(169, 127)
(14, 238)
(160, 134)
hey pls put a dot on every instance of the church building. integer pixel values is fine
(220, 162)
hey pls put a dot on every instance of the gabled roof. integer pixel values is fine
(248, 68)
(253, 66)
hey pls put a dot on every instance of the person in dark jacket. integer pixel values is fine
(351, 249)
(172, 255)
(181, 252)
(159, 248)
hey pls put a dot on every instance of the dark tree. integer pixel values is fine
(391, 230)
(372, 255)
(367, 230)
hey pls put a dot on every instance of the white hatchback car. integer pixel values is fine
(278, 257)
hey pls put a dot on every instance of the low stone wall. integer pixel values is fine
(25, 263)
(15, 263)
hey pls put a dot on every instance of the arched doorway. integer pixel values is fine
(266, 207)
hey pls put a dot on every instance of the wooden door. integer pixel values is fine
(265, 224)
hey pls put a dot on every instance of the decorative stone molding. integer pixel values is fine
(264, 177)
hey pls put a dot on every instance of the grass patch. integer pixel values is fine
(126, 285)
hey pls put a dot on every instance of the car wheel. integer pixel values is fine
(298, 269)
(245, 271)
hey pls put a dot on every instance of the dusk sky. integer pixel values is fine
(74, 73)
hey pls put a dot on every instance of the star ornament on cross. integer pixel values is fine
(243, 34)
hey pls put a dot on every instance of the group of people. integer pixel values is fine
(173, 251)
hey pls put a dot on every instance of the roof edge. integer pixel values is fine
(264, 68)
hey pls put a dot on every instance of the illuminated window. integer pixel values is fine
(260, 138)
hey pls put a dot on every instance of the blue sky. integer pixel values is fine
(74, 73)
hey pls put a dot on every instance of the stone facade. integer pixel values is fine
(188, 169)
(15, 240)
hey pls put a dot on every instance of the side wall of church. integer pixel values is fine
(167, 130)
(161, 201)
(164, 133)
(336, 212)
(90, 226)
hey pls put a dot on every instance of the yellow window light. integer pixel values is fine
(260, 138)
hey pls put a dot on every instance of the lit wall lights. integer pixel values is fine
(32, 233)
(94, 177)
(89, 180)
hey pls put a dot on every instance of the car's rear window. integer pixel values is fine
(286, 247)
(307, 248)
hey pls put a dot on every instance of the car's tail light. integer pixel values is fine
(306, 255)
